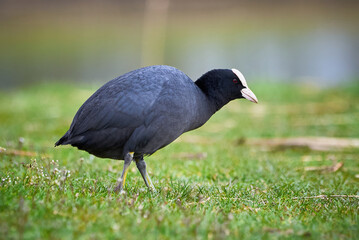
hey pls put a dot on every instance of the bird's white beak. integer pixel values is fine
(248, 94)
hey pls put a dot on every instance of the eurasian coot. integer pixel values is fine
(146, 109)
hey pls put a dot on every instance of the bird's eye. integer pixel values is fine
(235, 81)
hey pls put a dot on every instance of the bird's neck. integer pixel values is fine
(212, 89)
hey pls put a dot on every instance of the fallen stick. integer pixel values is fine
(199, 202)
(313, 143)
(190, 156)
(17, 152)
(328, 196)
(333, 168)
(14, 152)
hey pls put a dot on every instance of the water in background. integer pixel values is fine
(92, 45)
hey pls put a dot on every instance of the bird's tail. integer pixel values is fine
(64, 140)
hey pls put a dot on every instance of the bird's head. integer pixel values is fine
(240, 82)
(224, 85)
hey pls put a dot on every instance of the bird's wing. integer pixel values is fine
(121, 103)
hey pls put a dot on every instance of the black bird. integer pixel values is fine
(146, 109)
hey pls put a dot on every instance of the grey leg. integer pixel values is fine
(122, 180)
(141, 165)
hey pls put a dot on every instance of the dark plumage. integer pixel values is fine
(146, 109)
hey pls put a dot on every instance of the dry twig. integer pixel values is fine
(191, 156)
(328, 196)
(200, 201)
(313, 143)
(14, 152)
(332, 168)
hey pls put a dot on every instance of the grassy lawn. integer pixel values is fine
(209, 185)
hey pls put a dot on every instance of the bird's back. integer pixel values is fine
(140, 111)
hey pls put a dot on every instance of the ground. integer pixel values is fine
(210, 183)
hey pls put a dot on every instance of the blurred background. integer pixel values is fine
(95, 41)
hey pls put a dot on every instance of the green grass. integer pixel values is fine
(236, 192)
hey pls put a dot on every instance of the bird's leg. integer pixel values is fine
(141, 165)
(126, 165)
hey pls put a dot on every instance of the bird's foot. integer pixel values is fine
(119, 187)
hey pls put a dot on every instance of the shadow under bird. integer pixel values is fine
(146, 109)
